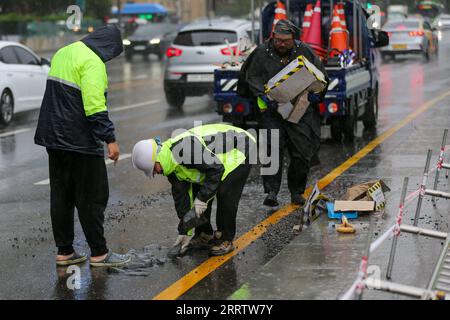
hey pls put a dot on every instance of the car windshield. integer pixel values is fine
(400, 25)
(205, 38)
(151, 30)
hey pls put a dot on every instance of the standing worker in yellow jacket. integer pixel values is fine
(203, 163)
(73, 126)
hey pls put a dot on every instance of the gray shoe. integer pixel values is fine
(222, 248)
(112, 260)
(75, 259)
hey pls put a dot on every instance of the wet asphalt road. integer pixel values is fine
(140, 218)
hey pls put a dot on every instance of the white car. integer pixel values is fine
(442, 22)
(23, 77)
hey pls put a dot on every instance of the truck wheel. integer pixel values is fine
(6, 108)
(371, 116)
(336, 129)
(351, 121)
(175, 97)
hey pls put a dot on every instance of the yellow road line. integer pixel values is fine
(188, 281)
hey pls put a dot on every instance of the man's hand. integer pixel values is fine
(113, 152)
(200, 207)
(265, 103)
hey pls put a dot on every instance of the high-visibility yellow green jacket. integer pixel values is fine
(73, 113)
(204, 155)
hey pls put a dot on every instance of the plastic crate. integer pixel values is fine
(338, 215)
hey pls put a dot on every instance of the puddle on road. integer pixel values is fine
(142, 262)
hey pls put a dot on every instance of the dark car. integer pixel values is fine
(153, 38)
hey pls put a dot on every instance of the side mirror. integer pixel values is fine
(45, 62)
(381, 38)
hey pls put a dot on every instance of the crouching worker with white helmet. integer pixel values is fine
(203, 163)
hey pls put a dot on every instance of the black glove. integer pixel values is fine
(315, 97)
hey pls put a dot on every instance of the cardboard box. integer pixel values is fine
(297, 77)
(369, 191)
(293, 113)
(359, 192)
(359, 206)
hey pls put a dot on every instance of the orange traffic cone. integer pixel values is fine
(314, 36)
(280, 13)
(336, 22)
(306, 25)
(338, 36)
(341, 12)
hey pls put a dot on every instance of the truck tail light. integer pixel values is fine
(322, 108)
(227, 108)
(333, 107)
(239, 108)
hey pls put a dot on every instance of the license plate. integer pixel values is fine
(200, 77)
(399, 46)
(139, 48)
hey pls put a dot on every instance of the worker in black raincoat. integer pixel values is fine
(73, 126)
(302, 139)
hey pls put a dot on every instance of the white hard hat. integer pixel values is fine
(144, 156)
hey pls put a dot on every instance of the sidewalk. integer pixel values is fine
(320, 263)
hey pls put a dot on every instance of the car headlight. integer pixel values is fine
(126, 42)
(440, 23)
(155, 41)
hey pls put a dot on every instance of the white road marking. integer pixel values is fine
(140, 77)
(136, 105)
(124, 156)
(45, 182)
(11, 133)
(112, 110)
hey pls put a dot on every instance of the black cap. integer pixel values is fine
(286, 27)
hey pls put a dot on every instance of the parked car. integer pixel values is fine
(412, 35)
(151, 38)
(197, 51)
(23, 77)
(442, 22)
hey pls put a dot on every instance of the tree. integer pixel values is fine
(98, 8)
(95, 8)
